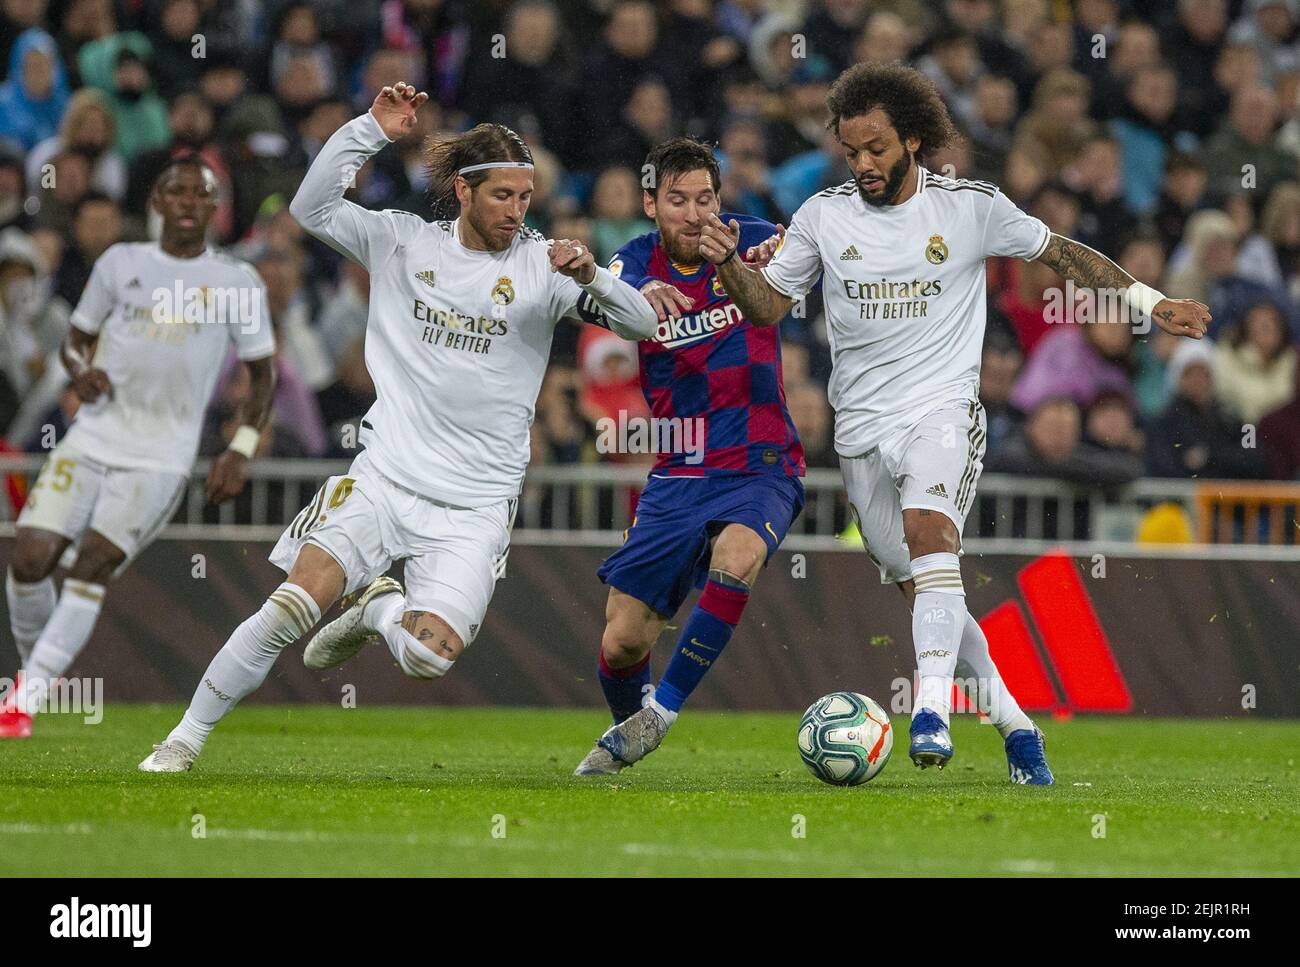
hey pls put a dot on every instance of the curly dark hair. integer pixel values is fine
(907, 96)
(669, 160)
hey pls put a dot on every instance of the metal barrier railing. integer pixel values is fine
(598, 499)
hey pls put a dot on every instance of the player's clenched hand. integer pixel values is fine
(1182, 317)
(667, 300)
(395, 109)
(227, 477)
(718, 241)
(90, 384)
(573, 259)
(759, 255)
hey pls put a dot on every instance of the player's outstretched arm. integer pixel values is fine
(319, 205)
(607, 300)
(1089, 268)
(229, 471)
(761, 304)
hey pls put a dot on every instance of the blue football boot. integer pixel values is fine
(931, 745)
(1027, 759)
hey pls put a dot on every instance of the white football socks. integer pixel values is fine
(384, 614)
(984, 684)
(245, 660)
(60, 642)
(30, 607)
(938, 618)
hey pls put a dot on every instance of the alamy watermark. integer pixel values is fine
(67, 696)
(1085, 304)
(654, 434)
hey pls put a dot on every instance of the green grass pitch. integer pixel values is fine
(421, 791)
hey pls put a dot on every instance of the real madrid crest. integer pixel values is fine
(936, 253)
(503, 293)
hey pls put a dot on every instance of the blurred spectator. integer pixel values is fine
(1058, 124)
(33, 321)
(1051, 445)
(17, 16)
(999, 369)
(802, 127)
(1110, 424)
(1255, 367)
(533, 76)
(1077, 362)
(831, 27)
(885, 39)
(13, 189)
(1145, 128)
(746, 177)
(646, 120)
(87, 128)
(96, 224)
(1194, 438)
(1097, 179)
(621, 61)
(55, 206)
(1192, 46)
(1241, 153)
(139, 115)
(1270, 27)
(173, 56)
(1279, 437)
(35, 93)
(1182, 192)
(616, 211)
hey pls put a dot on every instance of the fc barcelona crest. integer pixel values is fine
(936, 253)
(717, 289)
(503, 293)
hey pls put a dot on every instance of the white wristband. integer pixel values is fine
(245, 441)
(601, 284)
(1143, 297)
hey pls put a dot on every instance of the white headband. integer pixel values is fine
(494, 164)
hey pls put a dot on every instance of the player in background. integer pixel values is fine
(460, 323)
(148, 340)
(900, 251)
(711, 515)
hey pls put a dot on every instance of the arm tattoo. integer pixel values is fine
(757, 300)
(411, 622)
(1074, 260)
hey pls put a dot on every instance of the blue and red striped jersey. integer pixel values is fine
(712, 366)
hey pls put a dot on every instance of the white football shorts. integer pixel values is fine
(933, 465)
(454, 555)
(75, 493)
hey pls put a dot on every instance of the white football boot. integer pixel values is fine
(625, 744)
(348, 633)
(169, 756)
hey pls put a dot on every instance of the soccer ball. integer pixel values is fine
(845, 738)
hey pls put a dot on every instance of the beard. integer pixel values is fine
(679, 251)
(893, 182)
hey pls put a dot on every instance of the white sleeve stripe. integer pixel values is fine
(767, 277)
(1047, 237)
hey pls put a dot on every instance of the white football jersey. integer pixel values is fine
(904, 291)
(165, 328)
(457, 340)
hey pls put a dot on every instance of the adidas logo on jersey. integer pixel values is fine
(851, 254)
(938, 490)
(426, 277)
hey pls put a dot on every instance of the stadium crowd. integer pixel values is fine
(1165, 133)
